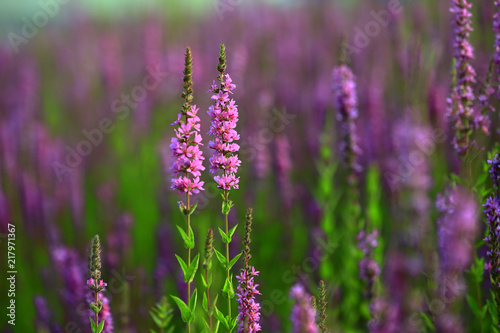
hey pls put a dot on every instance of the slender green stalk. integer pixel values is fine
(226, 195)
(188, 203)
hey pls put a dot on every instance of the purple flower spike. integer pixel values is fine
(460, 102)
(224, 114)
(368, 267)
(185, 146)
(492, 211)
(496, 30)
(457, 228)
(248, 309)
(303, 315)
(346, 103)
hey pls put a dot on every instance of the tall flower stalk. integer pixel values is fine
(96, 284)
(303, 314)
(457, 228)
(187, 167)
(346, 104)
(248, 308)
(224, 116)
(207, 281)
(368, 267)
(492, 211)
(322, 307)
(461, 100)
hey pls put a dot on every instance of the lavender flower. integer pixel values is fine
(303, 315)
(96, 284)
(248, 309)
(456, 230)
(68, 267)
(462, 97)
(496, 30)
(44, 318)
(345, 100)
(456, 233)
(368, 267)
(185, 146)
(224, 114)
(492, 211)
(105, 312)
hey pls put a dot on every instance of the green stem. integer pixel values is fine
(208, 300)
(226, 196)
(189, 257)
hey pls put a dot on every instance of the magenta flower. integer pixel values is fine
(303, 315)
(248, 309)
(224, 114)
(185, 149)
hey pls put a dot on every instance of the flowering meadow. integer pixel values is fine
(300, 166)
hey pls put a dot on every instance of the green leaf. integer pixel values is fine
(101, 326)
(221, 258)
(427, 320)
(193, 301)
(191, 271)
(92, 324)
(226, 207)
(185, 311)
(228, 290)
(493, 313)
(192, 209)
(205, 284)
(183, 266)
(188, 240)
(231, 232)
(225, 238)
(233, 323)
(473, 306)
(220, 317)
(204, 303)
(234, 260)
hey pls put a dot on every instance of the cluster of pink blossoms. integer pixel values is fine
(185, 148)
(224, 116)
(248, 309)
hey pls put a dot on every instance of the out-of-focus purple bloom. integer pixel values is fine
(346, 103)
(224, 115)
(69, 268)
(284, 169)
(303, 315)
(165, 265)
(44, 319)
(119, 240)
(368, 267)
(461, 100)
(385, 317)
(496, 30)
(457, 228)
(248, 308)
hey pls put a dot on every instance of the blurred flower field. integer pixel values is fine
(311, 166)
